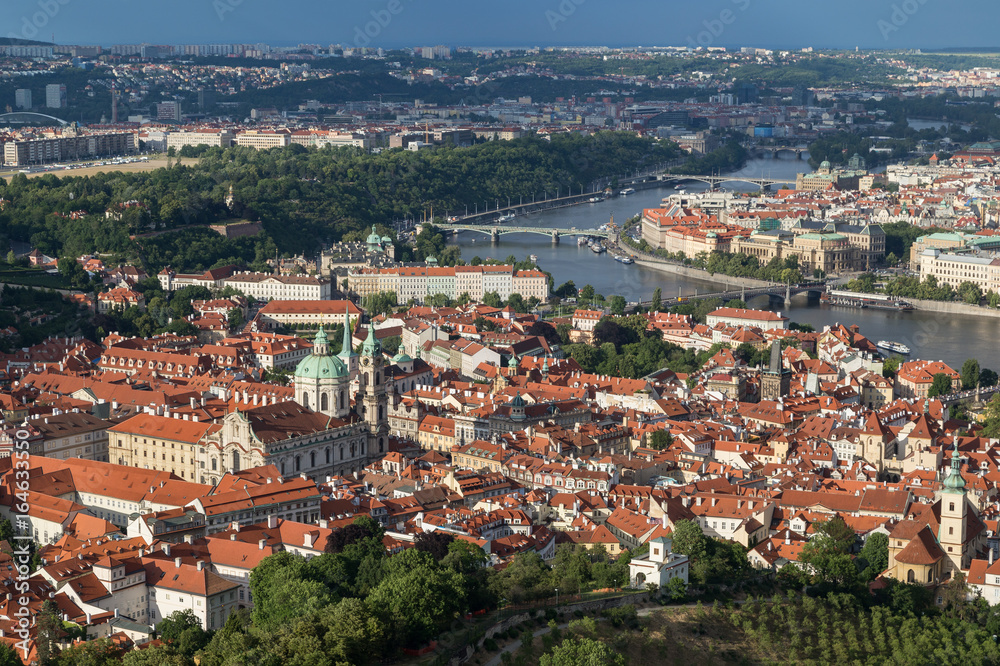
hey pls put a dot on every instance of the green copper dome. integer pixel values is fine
(373, 237)
(954, 483)
(320, 364)
(401, 357)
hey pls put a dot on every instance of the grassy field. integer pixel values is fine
(32, 278)
(108, 168)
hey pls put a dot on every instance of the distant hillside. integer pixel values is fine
(14, 41)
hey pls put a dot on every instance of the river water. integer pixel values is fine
(949, 338)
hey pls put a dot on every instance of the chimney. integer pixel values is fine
(272, 522)
(324, 523)
(88, 617)
(177, 562)
(788, 538)
(194, 402)
(991, 556)
(166, 549)
(201, 565)
(262, 544)
(188, 538)
(116, 613)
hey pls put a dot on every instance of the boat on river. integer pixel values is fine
(897, 347)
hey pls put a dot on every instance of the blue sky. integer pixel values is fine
(392, 23)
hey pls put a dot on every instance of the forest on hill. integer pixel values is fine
(302, 196)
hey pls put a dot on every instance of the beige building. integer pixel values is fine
(216, 138)
(831, 253)
(71, 435)
(263, 139)
(148, 441)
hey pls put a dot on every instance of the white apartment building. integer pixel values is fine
(266, 286)
(215, 138)
(263, 139)
(954, 269)
(421, 282)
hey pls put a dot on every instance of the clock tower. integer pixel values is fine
(374, 397)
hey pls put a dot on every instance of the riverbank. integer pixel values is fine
(699, 274)
(953, 307)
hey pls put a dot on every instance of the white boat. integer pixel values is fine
(505, 218)
(581, 240)
(533, 257)
(627, 191)
(897, 347)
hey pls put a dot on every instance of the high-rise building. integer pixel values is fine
(55, 96)
(22, 98)
(168, 111)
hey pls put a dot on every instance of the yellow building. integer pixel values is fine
(155, 442)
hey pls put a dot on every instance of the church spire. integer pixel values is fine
(346, 349)
(954, 483)
(372, 347)
(321, 344)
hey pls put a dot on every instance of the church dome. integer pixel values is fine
(321, 367)
(825, 164)
(373, 237)
(320, 364)
(401, 357)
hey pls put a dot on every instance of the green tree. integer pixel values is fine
(281, 593)
(676, 589)
(582, 652)
(617, 305)
(828, 552)
(235, 319)
(660, 440)
(876, 553)
(970, 374)
(101, 652)
(657, 301)
(587, 293)
(6, 531)
(891, 365)
(49, 633)
(9, 656)
(182, 630)
(492, 299)
(940, 385)
(688, 539)
(416, 598)
(157, 655)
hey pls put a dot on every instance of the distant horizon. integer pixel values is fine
(947, 50)
(866, 24)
